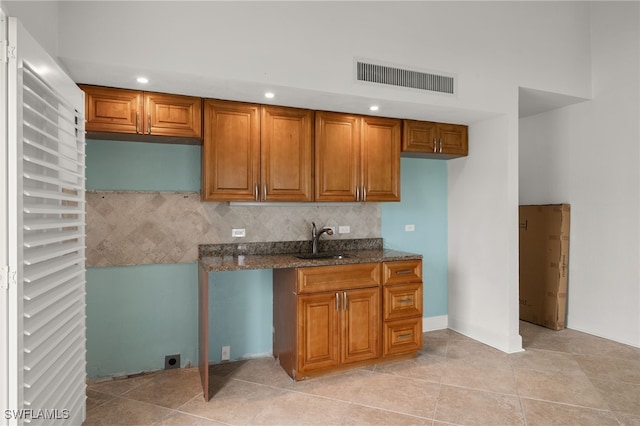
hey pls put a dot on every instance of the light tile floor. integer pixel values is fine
(563, 378)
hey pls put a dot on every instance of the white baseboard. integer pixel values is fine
(435, 323)
(505, 343)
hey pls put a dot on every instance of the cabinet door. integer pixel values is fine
(172, 115)
(231, 151)
(380, 159)
(112, 110)
(453, 138)
(419, 136)
(360, 325)
(318, 331)
(286, 154)
(337, 156)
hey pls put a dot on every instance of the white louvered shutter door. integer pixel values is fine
(47, 160)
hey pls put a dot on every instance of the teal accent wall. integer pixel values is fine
(143, 166)
(424, 204)
(241, 313)
(138, 314)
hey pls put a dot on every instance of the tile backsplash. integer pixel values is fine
(137, 228)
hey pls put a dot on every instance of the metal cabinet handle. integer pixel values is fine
(256, 193)
(344, 300)
(435, 145)
(357, 192)
(405, 336)
(364, 192)
(404, 272)
(406, 300)
(138, 122)
(337, 301)
(440, 145)
(148, 123)
(264, 192)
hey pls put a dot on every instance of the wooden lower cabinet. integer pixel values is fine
(329, 318)
(402, 307)
(338, 328)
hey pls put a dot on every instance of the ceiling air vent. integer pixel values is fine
(394, 76)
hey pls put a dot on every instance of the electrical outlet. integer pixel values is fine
(409, 228)
(225, 354)
(344, 229)
(238, 233)
(171, 361)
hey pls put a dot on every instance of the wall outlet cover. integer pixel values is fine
(238, 232)
(344, 229)
(171, 361)
(225, 353)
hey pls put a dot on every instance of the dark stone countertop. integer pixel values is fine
(234, 257)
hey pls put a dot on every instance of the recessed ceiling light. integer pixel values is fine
(143, 80)
(374, 107)
(269, 95)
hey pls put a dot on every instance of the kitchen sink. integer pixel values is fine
(320, 255)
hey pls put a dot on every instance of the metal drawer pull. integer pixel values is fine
(405, 336)
(149, 123)
(137, 122)
(337, 301)
(435, 145)
(344, 300)
(404, 272)
(406, 300)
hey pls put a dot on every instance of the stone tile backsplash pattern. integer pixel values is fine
(137, 228)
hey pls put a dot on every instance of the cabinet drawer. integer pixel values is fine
(402, 336)
(402, 301)
(402, 271)
(339, 277)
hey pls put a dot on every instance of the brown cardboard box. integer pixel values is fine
(544, 257)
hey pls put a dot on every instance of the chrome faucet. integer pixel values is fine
(316, 236)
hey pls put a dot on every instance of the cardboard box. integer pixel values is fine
(544, 259)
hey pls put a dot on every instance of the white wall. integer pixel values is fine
(483, 300)
(588, 155)
(233, 49)
(40, 18)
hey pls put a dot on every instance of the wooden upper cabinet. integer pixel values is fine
(286, 146)
(380, 159)
(337, 156)
(231, 151)
(172, 115)
(256, 153)
(426, 139)
(357, 158)
(110, 110)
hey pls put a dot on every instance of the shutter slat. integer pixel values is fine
(51, 237)
(52, 152)
(52, 180)
(42, 254)
(51, 209)
(34, 341)
(41, 270)
(49, 316)
(51, 166)
(52, 280)
(39, 304)
(51, 195)
(56, 223)
(32, 393)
